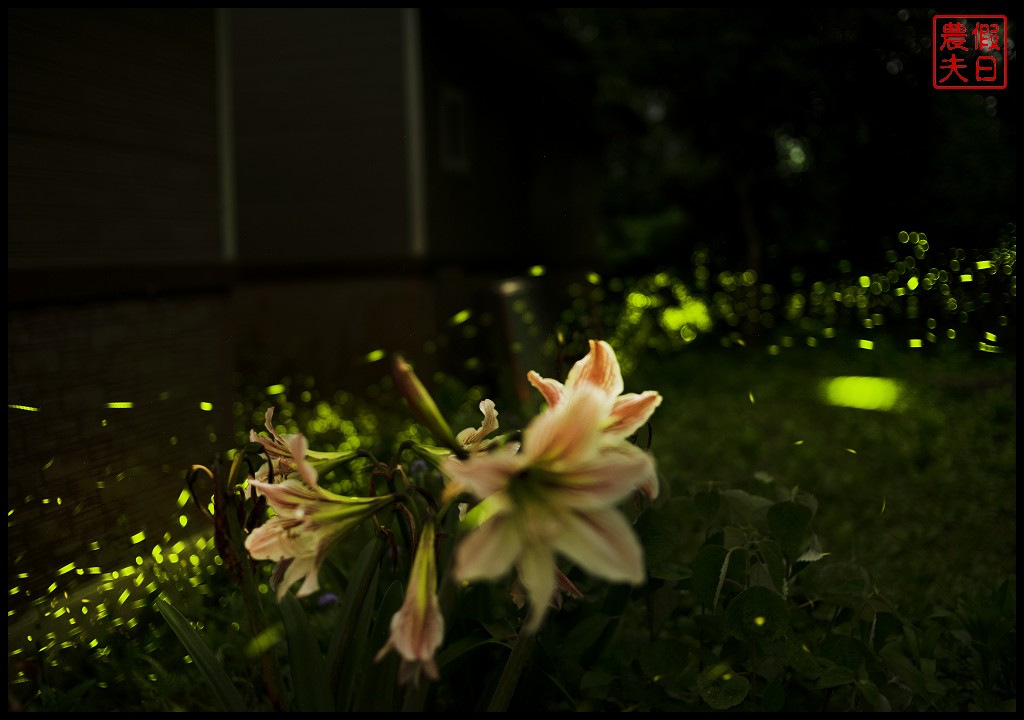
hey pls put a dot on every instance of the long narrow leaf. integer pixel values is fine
(352, 603)
(309, 670)
(465, 645)
(357, 653)
(223, 689)
(379, 693)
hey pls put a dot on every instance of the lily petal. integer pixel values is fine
(631, 411)
(289, 498)
(301, 568)
(276, 539)
(606, 480)
(298, 446)
(294, 552)
(599, 368)
(569, 433)
(274, 445)
(537, 571)
(471, 437)
(488, 552)
(603, 543)
(481, 475)
(552, 390)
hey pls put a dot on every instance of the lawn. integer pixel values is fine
(924, 494)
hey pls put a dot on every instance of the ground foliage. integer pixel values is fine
(802, 556)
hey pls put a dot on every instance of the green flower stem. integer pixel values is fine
(513, 669)
(250, 593)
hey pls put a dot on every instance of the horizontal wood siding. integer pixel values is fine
(319, 135)
(111, 138)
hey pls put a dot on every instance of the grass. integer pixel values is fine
(925, 496)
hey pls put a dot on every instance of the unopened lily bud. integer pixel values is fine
(423, 406)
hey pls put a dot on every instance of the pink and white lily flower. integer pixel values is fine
(281, 458)
(472, 441)
(308, 521)
(276, 449)
(599, 368)
(417, 629)
(558, 495)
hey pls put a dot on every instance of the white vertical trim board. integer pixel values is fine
(225, 139)
(414, 132)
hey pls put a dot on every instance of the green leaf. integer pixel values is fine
(310, 679)
(834, 677)
(352, 602)
(748, 509)
(758, 574)
(658, 532)
(353, 660)
(897, 662)
(596, 679)
(1004, 598)
(721, 688)
(663, 658)
(910, 636)
(844, 650)
(843, 583)
(380, 681)
(733, 537)
(503, 630)
(225, 692)
(788, 523)
(463, 645)
(661, 603)
(771, 554)
(668, 570)
(707, 570)
(584, 635)
(757, 613)
(809, 500)
(875, 698)
(800, 657)
(543, 663)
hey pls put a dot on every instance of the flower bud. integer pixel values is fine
(423, 406)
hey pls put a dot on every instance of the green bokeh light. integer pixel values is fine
(864, 393)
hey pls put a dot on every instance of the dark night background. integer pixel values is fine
(695, 113)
